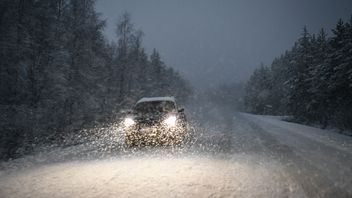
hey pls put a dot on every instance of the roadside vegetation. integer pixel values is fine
(59, 73)
(312, 81)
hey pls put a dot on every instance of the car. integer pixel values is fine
(155, 121)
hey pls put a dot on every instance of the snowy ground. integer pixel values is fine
(247, 156)
(151, 177)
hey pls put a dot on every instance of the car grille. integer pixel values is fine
(147, 123)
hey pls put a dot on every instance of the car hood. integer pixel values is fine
(150, 117)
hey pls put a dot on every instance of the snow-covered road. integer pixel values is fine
(247, 156)
(318, 160)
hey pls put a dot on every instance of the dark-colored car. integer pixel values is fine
(155, 121)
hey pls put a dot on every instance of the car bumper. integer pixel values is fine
(154, 136)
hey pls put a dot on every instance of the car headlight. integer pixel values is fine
(128, 122)
(170, 121)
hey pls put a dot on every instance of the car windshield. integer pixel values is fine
(154, 107)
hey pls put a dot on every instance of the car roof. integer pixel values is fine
(151, 99)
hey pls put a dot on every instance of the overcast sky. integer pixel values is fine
(220, 41)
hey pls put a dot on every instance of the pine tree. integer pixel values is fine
(312, 81)
(258, 98)
(299, 96)
(58, 74)
(339, 88)
(124, 33)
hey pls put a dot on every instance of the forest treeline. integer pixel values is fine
(312, 81)
(58, 72)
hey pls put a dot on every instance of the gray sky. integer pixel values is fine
(218, 41)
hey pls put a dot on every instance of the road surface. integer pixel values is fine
(234, 155)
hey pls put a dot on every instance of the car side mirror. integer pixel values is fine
(181, 110)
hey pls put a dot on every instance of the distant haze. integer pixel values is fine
(221, 41)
